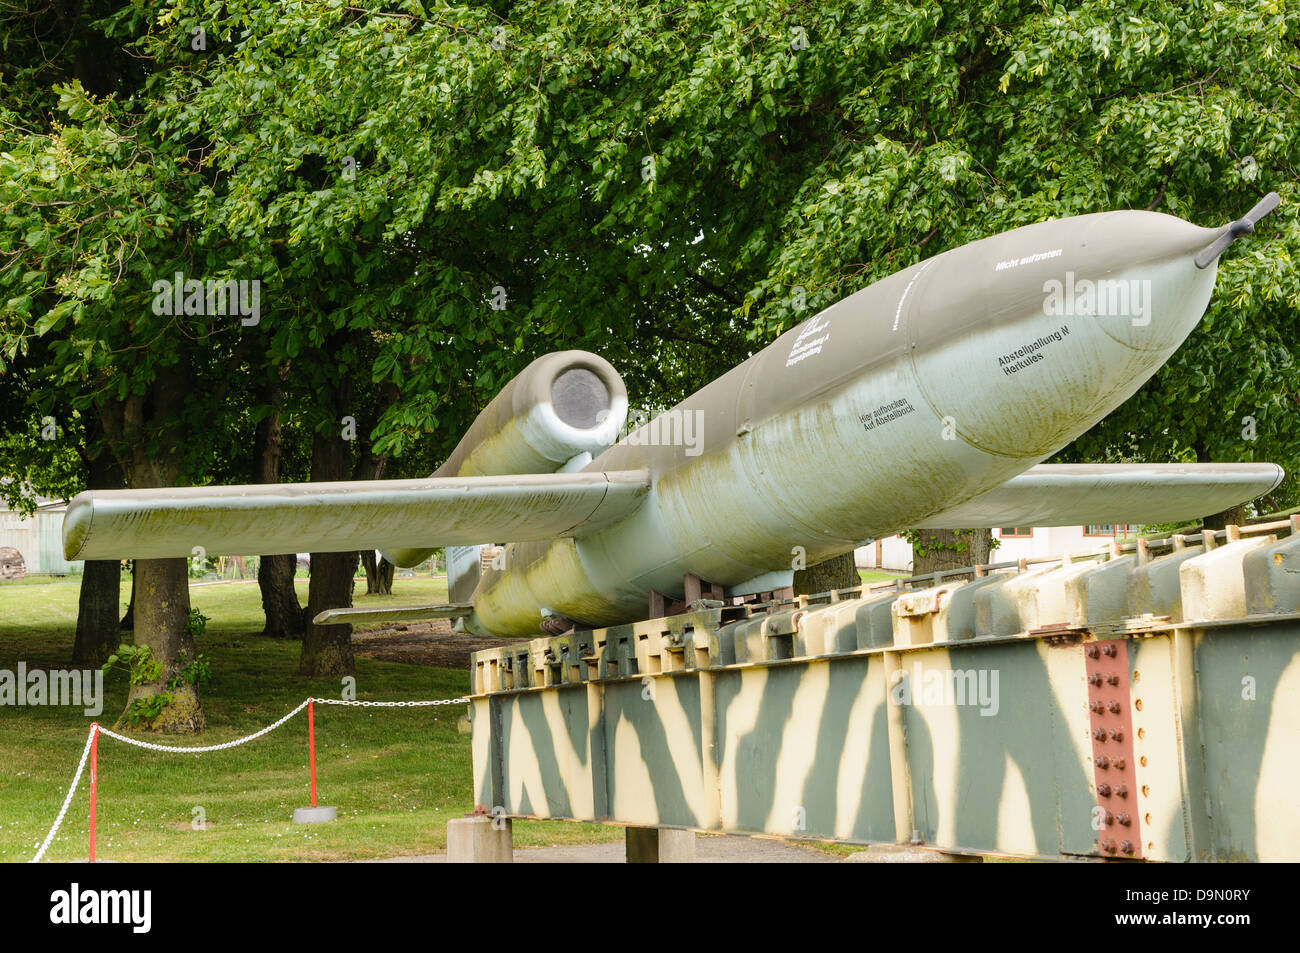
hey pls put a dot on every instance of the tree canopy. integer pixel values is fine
(431, 194)
(667, 184)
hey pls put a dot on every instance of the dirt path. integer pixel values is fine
(422, 643)
(708, 850)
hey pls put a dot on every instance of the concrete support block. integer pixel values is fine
(875, 623)
(1051, 595)
(829, 631)
(1099, 595)
(747, 644)
(314, 815)
(915, 614)
(1012, 604)
(654, 845)
(947, 613)
(1067, 599)
(957, 620)
(1214, 584)
(1154, 586)
(907, 854)
(480, 840)
(1273, 577)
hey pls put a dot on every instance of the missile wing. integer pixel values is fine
(402, 614)
(1080, 494)
(337, 517)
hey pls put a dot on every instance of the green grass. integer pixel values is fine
(395, 775)
(71, 579)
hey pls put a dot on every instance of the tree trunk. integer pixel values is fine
(327, 649)
(162, 624)
(128, 620)
(101, 579)
(284, 616)
(368, 564)
(98, 634)
(379, 573)
(1234, 515)
(937, 550)
(838, 572)
(162, 586)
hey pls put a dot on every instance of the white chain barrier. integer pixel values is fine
(355, 704)
(76, 779)
(178, 749)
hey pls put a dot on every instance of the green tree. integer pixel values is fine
(667, 184)
(433, 194)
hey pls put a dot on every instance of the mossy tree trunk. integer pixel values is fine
(162, 624)
(937, 550)
(1233, 516)
(838, 572)
(161, 603)
(327, 650)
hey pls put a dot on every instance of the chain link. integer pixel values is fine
(177, 749)
(76, 779)
(357, 704)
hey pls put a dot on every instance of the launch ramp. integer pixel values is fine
(1141, 702)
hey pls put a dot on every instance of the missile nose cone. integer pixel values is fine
(1149, 308)
(1133, 278)
(1069, 319)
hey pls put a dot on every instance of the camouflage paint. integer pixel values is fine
(792, 719)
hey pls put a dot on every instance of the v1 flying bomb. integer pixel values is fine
(928, 399)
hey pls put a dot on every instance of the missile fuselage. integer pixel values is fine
(912, 403)
(923, 390)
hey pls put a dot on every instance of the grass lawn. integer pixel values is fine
(870, 576)
(395, 775)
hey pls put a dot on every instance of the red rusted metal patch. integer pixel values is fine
(1106, 664)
